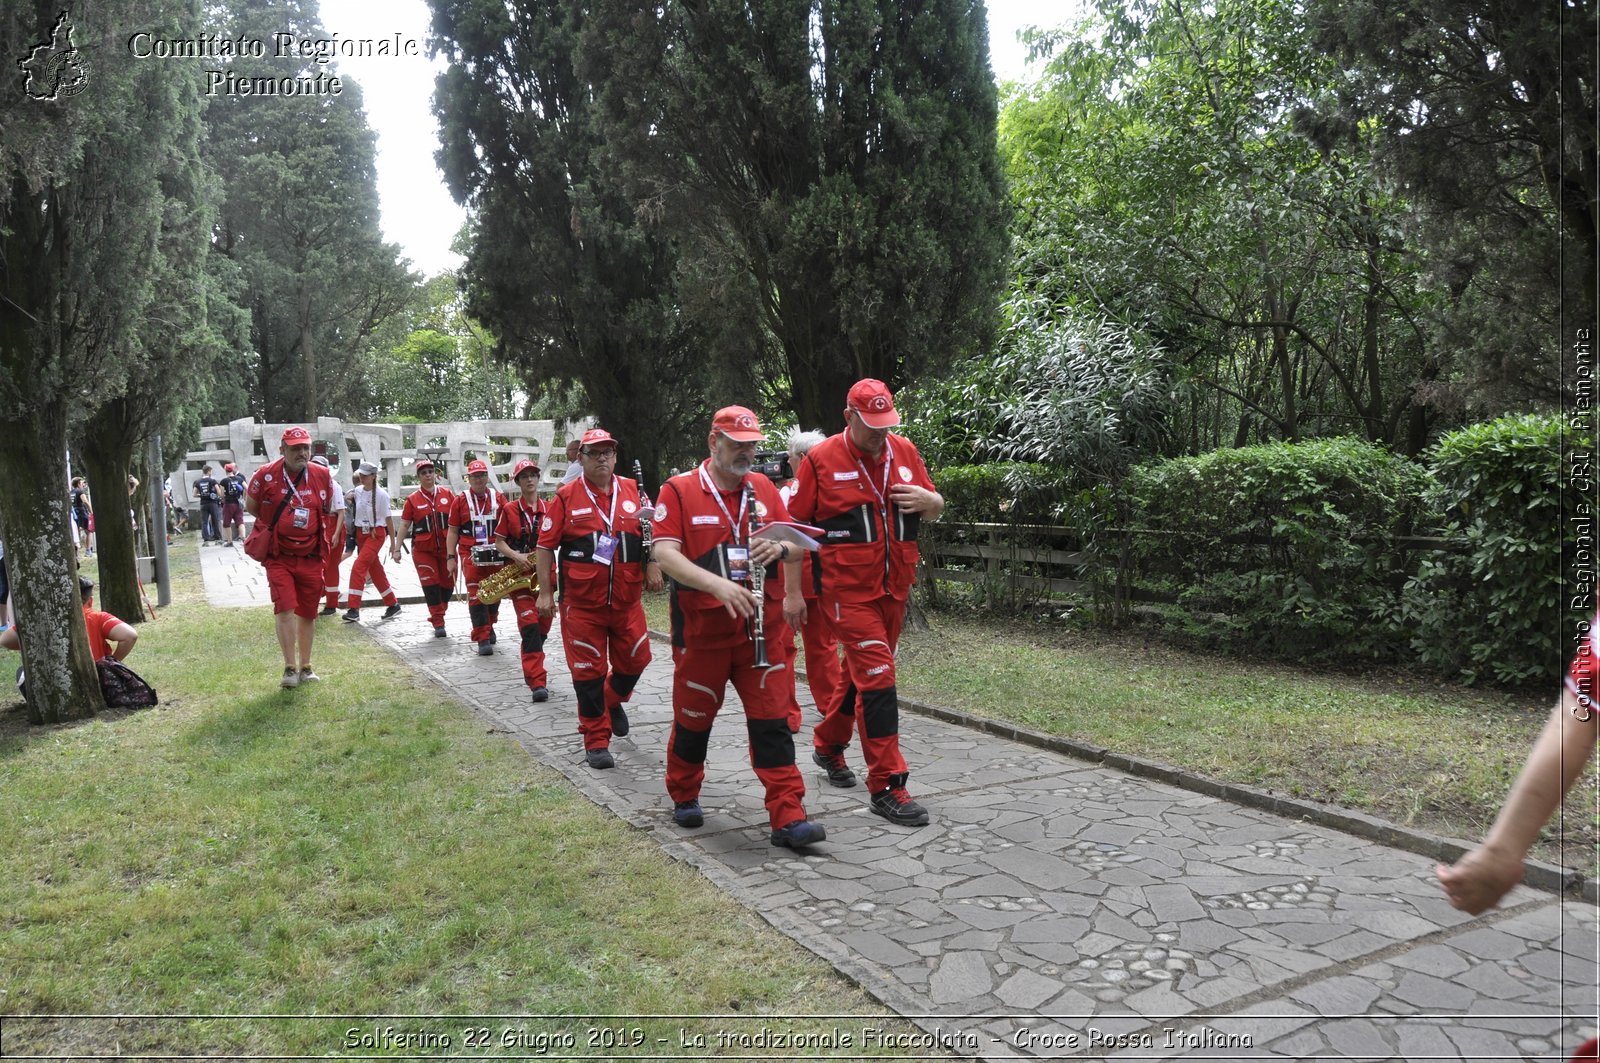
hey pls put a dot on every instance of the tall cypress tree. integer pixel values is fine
(83, 190)
(842, 152)
(576, 285)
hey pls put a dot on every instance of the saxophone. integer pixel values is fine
(505, 581)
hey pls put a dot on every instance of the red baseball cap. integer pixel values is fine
(423, 463)
(229, 467)
(295, 434)
(738, 424)
(477, 465)
(525, 465)
(596, 436)
(873, 403)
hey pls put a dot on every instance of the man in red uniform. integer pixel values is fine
(372, 517)
(868, 490)
(823, 675)
(591, 528)
(473, 517)
(426, 513)
(703, 541)
(515, 537)
(295, 497)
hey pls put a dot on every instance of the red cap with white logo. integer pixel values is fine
(594, 437)
(295, 434)
(477, 465)
(873, 403)
(525, 465)
(738, 424)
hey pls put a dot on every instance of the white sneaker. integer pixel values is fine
(308, 676)
(291, 678)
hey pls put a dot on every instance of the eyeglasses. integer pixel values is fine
(601, 455)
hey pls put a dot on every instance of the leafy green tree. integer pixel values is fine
(561, 269)
(301, 221)
(1158, 179)
(83, 253)
(1488, 114)
(837, 157)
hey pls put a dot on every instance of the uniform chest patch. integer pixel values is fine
(661, 511)
(706, 520)
(849, 474)
(585, 511)
(905, 474)
(628, 506)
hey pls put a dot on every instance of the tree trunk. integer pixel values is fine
(62, 681)
(106, 464)
(308, 354)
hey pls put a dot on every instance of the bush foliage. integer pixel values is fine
(1494, 610)
(1286, 548)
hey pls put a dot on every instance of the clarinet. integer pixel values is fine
(646, 535)
(758, 584)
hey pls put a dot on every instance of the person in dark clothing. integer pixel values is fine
(207, 490)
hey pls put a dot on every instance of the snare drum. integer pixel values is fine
(487, 557)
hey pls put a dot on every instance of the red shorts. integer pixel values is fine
(296, 585)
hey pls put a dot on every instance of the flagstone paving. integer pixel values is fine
(1058, 909)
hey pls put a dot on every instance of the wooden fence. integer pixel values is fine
(1046, 560)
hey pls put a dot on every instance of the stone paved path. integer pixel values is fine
(1055, 909)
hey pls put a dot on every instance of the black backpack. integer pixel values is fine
(122, 687)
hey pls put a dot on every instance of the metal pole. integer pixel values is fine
(158, 525)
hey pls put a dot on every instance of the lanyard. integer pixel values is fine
(883, 492)
(474, 513)
(609, 518)
(716, 494)
(528, 523)
(294, 488)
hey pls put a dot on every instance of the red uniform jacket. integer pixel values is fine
(475, 517)
(574, 521)
(429, 517)
(869, 547)
(298, 531)
(687, 513)
(520, 525)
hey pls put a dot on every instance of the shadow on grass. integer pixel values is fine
(245, 724)
(17, 734)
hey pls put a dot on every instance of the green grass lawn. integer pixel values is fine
(363, 846)
(1415, 750)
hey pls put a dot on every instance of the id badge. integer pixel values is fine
(739, 564)
(301, 517)
(605, 548)
(480, 532)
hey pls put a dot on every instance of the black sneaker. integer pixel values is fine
(688, 814)
(896, 806)
(839, 773)
(599, 758)
(392, 612)
(619, 721)
(328, 610)
(799, 833)
(438, 632)
(352, 616)
(541, 694)
(485, 650)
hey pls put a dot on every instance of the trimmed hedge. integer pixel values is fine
(1495, 611)
(1285, 548)
(1003, 492)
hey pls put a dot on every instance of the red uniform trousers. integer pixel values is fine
(597, 639)
(483, 616)
(869, 633)
(533, 629)
(332, 557)
(699, 682)
(369, 562)
(429, 558)
(292, 584)
(823, 674)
